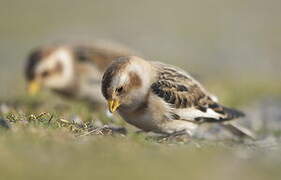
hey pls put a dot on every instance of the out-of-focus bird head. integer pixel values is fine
(125, 82)
(49, 67)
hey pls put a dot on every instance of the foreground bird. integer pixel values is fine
(162, 98)
(74, 71)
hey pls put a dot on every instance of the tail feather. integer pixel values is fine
(239, 131)
(235, 128)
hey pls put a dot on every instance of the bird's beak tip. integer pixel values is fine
(33, 88)
(113, 105)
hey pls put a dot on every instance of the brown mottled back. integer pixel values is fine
(100, 56)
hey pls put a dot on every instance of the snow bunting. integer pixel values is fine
(74, 71)
(162, 98)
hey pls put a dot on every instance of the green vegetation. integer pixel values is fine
(43, 143)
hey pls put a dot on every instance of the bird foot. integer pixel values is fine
(179, 136)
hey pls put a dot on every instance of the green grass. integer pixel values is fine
(55, 154)
(35, 152)
(43, 143)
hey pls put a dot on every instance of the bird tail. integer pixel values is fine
(234, 127)
(238, 130)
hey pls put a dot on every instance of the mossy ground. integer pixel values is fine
(43, 142)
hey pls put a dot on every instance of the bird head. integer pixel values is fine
(50, 67)
(124, 82)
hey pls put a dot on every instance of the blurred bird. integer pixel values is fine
(162, 98)
(73, 71)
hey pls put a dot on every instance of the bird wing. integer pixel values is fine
(187, 97)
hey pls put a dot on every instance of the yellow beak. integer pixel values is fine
(113, 105)
(33, 87)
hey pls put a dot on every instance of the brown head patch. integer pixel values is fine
(135, 80)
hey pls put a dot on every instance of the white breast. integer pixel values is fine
(143, 121)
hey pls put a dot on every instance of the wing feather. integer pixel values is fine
(187, 97)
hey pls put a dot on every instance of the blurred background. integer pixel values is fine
(232, 46)
(234, 42)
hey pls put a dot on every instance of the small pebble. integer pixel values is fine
(4, 124)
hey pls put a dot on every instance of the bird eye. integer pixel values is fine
(45, 74)
(119, 90)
